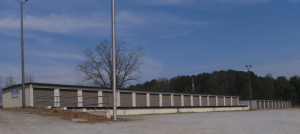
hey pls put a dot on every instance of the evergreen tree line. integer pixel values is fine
(230, 82)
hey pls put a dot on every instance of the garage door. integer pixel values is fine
(166, 98)
(187, 100)
(228, 101)
(220, 101)
(141, 100)
(177, 100)
(107, 96)
(43, 97)
(204, 100)
(212, 100)
(126, 99)
(154, 100)
(196, 101)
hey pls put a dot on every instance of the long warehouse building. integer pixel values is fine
(56, 95)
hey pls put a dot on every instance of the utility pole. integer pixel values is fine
(193, 84)
(249, 84)
(114, 58)
(22, 55)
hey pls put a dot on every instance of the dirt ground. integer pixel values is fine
(275, 121)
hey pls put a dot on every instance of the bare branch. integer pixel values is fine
(97, 67)
(10, 81)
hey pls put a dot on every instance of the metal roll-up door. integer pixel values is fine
(273, 104)
(90, 98)
(107, 96)
(177, 100)
(234, 100)
(196, 101)
(68, 98)
(166, 98)
(257, 105)
(141, 100)
(220, 101)
(228, 101)
(187, 100)
(43, 97)
(262, 104)
(125, 99)
(267, 104)
(204, 100)
(154, 100)
(212, 100)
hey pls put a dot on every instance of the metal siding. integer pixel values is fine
(68, 98)
(234, 100)
(126, 99)
(177, 100)
(38, 92)
(166, 99)
(228, 101)
(90, 102)
(204, 100)
(196, 101)
(110, 98)
(154, 100)
(212, 100)
(141, 100)
(220, 101)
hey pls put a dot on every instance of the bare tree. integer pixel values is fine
(221, 82)
(10, 81)
(29, 78)
(98, 64)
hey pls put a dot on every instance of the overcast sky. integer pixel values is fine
(180, 37)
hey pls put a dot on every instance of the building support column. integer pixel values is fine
(200, 100)
(217, 103)
(264, 104)
(31, 95)
(56, 98)
(148, 99)
(79, 100)
(182, 100)
(238, 100)
(133, 99)
(160, 100)
(118, 98)
(172, 100)
(231, 103)
(100, 99)
(224, 101)
(192, 101)
(207, 100)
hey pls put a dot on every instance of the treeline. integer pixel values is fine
(230, 82)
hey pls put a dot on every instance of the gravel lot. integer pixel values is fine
(275, 121)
